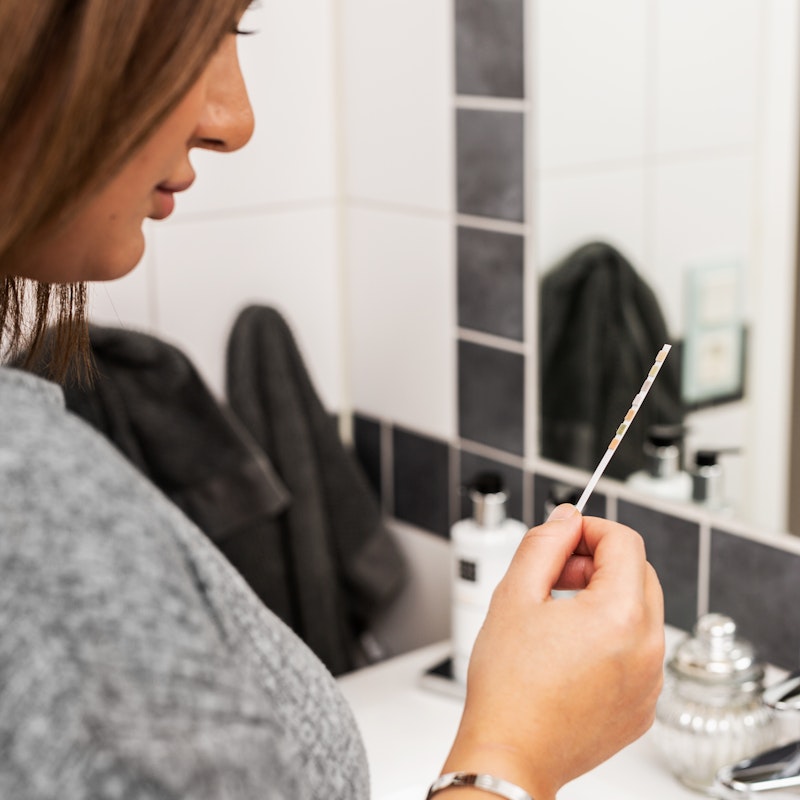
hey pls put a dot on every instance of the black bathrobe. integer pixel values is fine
(600, 329)
(267, 479)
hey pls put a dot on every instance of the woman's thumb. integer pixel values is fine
(545, 549)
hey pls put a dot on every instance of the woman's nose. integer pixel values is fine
(226, 122)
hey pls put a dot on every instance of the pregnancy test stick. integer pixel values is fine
(614, 443)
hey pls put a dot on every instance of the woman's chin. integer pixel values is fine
(118, 264)
(65, 264)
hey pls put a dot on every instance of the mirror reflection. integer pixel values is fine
(675, 156)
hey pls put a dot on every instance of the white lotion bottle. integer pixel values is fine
(663, 475)
(482, 548)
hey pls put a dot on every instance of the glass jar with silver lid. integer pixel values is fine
(710, 712)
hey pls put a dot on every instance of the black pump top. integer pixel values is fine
(665, 435)
(706, 458)
(709, 458)
(487, 483)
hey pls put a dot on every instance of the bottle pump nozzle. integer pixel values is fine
(707, 477)
(488, 497)
(662, 449)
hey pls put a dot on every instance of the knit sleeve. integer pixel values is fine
(132, 662)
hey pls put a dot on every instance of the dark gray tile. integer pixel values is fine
(490, 162)
(473, 465)
(491, 396)
(490, 58)
(490, 282)
(549, 492)
(367, 445)
(421, 481)
(759, 587)
(673, 548)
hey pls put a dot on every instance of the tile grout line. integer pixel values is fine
(454, 479)
(492, 224)
(387, 467)
(491, 340)
(703, 569)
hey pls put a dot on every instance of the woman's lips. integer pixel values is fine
(165, 197)
(163, 204)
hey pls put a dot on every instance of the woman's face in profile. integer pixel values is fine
(104, 239)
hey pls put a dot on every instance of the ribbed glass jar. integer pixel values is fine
(710, 712)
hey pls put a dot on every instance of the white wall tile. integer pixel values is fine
(707, 61)
(397, 101)
(401, 319)
(421, 613)
(207, 271)
(602, 205)
(288, 67)
(590, 81)
(703, 214)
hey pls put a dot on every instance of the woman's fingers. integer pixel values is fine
(571, 552)
(544, 551)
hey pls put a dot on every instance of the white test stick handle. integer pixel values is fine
(613, 444)
(601, 468)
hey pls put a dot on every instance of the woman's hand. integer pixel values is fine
(556, 686)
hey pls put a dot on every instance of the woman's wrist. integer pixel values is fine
(488, 783)
(498, 761)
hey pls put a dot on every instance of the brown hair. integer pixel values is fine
(82, 85)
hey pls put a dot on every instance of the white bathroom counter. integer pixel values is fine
(408, 730)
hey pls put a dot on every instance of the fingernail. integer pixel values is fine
(564, 511)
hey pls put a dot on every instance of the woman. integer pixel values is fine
(134, 661)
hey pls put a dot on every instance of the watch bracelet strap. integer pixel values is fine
(486, 782)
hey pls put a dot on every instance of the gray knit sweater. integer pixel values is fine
(134, 661)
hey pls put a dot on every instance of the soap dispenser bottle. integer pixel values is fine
(707, 480)
(663, 475)
(482, 548)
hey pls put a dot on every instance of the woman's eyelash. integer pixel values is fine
(254, 4)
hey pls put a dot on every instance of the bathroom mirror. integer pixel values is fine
(673, 137)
